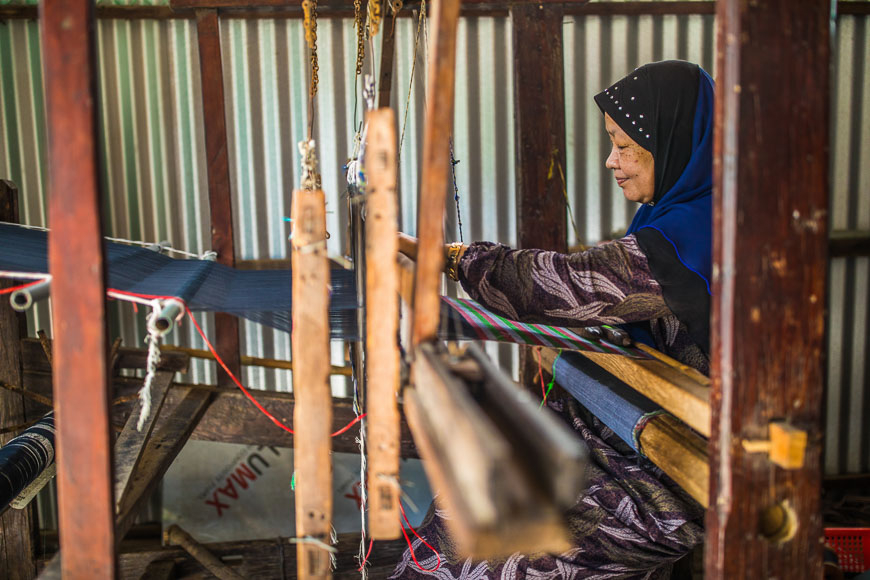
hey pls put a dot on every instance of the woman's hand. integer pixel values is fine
(408, 245)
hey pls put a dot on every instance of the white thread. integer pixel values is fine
(361, 440)
(333, 537)
(315, 542)
(24, 275)
(152, 340)
(25, 226)
(161, 247)
(310, 178)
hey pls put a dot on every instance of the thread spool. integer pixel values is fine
(165, 316)
(24, 298)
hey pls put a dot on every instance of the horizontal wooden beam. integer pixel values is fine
(250, 361)
(232, 418)
(33, 358)
(679, 452)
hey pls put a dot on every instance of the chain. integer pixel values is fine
(359, 22)
(309, 8)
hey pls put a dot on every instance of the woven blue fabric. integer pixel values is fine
(262, 296)
(616, 404)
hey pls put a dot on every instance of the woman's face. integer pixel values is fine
(632, 165)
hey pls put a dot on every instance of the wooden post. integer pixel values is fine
(770, 228)
(78, 292)
(312, 415)
(436, 165)
(219, 192)
(382, 325)
(18, 534)
(539, 92)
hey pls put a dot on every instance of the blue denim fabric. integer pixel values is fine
(617, 405)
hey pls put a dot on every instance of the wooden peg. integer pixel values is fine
(786, 445)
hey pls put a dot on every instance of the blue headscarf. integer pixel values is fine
(675, 229)
(684, 214)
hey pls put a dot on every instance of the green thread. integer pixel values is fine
(552, 379)
(293, 482)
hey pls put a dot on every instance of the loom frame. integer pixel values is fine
(735, 122)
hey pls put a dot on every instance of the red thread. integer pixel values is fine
(366, 559)
(21, 286)
(410, 547)
(227, 370)
(541, 374)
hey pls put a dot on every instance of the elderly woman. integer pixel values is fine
(632, 521)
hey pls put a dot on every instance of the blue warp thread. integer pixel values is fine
(618, 406)
(25, 457)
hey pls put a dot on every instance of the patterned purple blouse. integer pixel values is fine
(606, 284)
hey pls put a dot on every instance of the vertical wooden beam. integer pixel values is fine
(18, 533)
(539, 96)
(382, 324)
(388, 54)
(436, 165)
(770, 180)
(539, 91)
(78, 292)
(312, 413)
(219, 192)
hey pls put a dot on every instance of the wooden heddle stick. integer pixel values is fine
(382, 324)
(436, 166)
(312, 413)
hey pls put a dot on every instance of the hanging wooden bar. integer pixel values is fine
(75, 256)
(312, 415)
(382, 325)
(436, 166)
(505, 489)
(769, 248)
(218, 172)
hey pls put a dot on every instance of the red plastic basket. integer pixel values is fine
(852, 546)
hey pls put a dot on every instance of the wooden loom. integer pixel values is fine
(751, 386)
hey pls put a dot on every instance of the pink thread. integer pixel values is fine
(541, 374)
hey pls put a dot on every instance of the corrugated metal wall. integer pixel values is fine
(847, 446)
(154, 176)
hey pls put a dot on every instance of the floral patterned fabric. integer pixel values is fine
(631, 522)
(606, 284)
